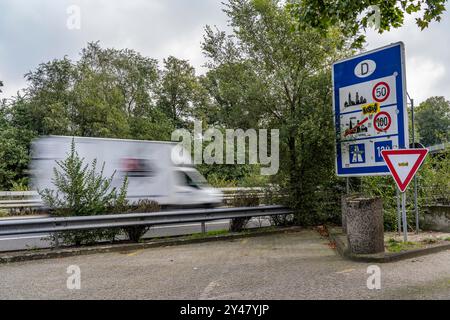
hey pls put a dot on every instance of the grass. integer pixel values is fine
(31, 248)
(430, 241)
(399, 246)
(3, 213)
(209, 234)
(225, 232)
(395, 246)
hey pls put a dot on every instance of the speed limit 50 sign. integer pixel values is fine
(369, 97)
(381, 91)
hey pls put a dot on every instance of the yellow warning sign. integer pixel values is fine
(371, 108)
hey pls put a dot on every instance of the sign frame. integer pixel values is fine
(372, 167)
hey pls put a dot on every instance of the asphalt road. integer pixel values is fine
(297, 265)
(26, 241)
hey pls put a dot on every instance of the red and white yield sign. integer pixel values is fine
(403, 164)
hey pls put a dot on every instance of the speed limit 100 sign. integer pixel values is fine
(382, 122)
(381, 92)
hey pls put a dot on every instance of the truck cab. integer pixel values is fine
(191, 188)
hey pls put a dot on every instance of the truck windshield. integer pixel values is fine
(193, 179)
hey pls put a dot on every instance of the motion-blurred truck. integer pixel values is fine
(158, 171)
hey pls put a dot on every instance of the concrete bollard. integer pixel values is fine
(344, 200)
(365, 228)
(344, 209)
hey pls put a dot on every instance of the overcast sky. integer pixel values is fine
(35, 31)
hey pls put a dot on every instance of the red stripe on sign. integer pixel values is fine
(353, 130)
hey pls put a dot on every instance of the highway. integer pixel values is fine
(40, 241)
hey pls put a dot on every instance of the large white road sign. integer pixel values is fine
(369, 100)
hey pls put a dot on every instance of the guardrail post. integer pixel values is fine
(203, 227)
(55, 235)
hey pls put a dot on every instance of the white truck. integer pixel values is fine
(158, 171)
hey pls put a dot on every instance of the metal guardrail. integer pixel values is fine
(19, 200)
(60, 224)
(26, 203)
(18, 193)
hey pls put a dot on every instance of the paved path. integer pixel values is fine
(297, 265)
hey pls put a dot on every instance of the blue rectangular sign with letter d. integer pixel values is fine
(369, 102)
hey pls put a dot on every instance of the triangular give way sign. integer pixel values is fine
(403, 164)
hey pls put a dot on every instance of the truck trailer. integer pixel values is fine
(159, 171)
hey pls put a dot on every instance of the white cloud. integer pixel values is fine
(425, 77)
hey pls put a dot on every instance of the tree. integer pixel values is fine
(433, 121)
(49, 98)
(238, 93)
(1, 85)
(179, 90)
(14, 155)
(114, 88)
(353, 16)
(107, 93)
(288, 71)
(14, 151)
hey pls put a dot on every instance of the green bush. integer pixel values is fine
(243, 199)
(82, 191)
(135, 233)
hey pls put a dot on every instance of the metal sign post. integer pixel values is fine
(405, 220)
(399, 212)
(416, 207)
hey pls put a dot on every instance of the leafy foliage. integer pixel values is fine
(14, 152)
(243, 199)
(135, 233)
(107, 93)
(179, 91)
(433, 121)
(354, 16)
